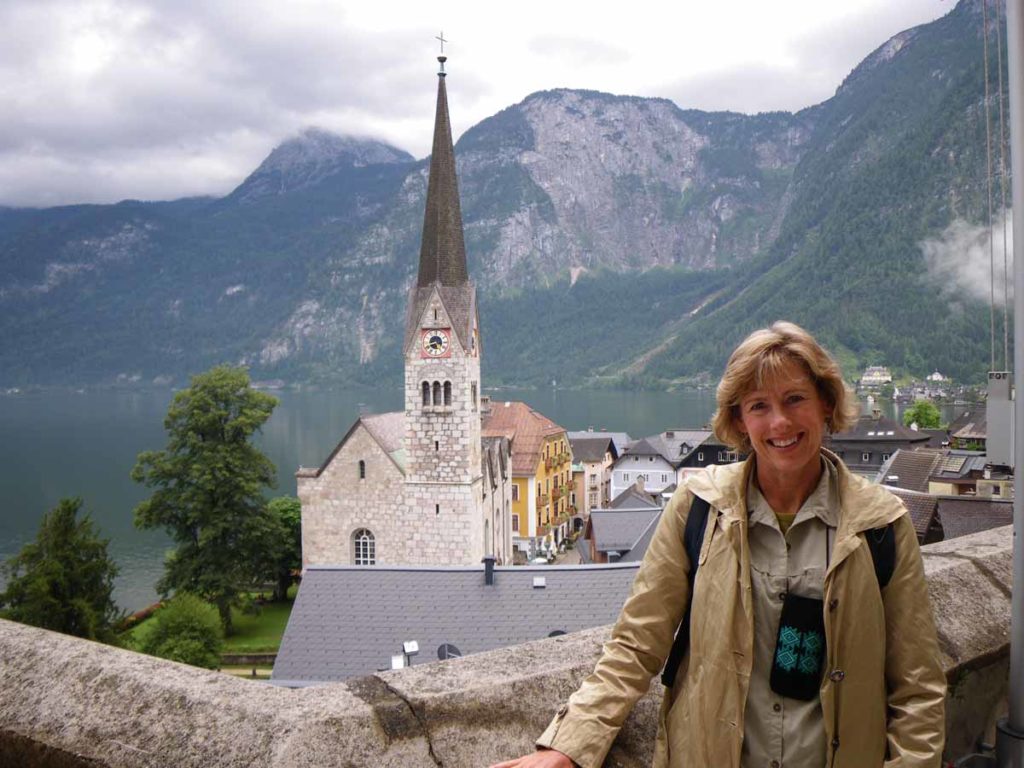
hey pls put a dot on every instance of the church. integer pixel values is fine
(423, 486)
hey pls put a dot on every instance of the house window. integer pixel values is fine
(885, 456)
(515, 523)
(865, 457)
(364, 548)
(426, 393)
(447, 393)
(437, 393)
(664, 477)
(472, 392)
(515, 492)
(362, 469)
(700, 456)
(437, 509)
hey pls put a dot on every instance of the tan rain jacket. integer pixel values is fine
(883, 690)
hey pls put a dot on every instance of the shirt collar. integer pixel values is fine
(823, 502)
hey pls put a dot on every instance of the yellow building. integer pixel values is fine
(542, 495)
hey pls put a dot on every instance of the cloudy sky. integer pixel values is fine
(102, 100)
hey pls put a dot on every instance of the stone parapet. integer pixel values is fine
(69, 703)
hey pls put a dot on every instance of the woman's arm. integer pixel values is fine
(915, 680)
(585, 728)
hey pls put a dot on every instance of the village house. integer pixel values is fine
(871, 441)
(541, 479)
(622, 531)
(593, 454)
(663, 460)
(424, 486)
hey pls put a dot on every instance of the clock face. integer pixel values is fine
(436, 342)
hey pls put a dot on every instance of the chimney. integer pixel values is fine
(488, 562)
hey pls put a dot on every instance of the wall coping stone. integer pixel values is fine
(70, 703)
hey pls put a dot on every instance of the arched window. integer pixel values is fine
(437, 393)
(426, 393)
(447, 393)
(364, 548)
(362, 469)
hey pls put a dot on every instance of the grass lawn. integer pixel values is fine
(252, 634)
(259, 634)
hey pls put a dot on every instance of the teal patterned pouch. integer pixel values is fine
(799, 648)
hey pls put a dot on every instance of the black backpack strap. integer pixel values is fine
(882, 544)
(693, 538)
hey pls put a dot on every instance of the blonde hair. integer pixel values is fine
(760, 358)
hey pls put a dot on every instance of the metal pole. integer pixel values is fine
(1010, 732)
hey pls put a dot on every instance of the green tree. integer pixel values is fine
(188, 630)
(924, 413)
(64, 580)
(209, 484)
(288, 512)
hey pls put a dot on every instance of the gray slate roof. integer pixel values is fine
(673, 445)
(633, 498)
(639, 549)
(592, 448)
(963, 515)
(348, 621)
(618, 530)
(620, 439)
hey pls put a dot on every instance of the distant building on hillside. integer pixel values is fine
(875, 377)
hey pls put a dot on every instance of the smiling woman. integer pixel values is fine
(803, 648)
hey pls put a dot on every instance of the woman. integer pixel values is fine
(799, 656)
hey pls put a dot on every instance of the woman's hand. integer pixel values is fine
(542, 758)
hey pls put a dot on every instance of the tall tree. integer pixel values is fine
(64, 580)
(288, 512)
(209, 484)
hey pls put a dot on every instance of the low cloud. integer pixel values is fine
(960, 260)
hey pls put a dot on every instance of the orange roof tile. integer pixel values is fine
(524, 427)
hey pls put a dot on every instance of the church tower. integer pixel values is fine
(442, 367)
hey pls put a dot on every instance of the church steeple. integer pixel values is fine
(442, 250)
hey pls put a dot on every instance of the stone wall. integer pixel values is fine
(69, 703)
(337, 502)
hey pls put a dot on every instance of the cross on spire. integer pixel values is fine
(441, 37)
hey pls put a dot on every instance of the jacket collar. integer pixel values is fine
(863, 505)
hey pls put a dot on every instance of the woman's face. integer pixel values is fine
(785, 421)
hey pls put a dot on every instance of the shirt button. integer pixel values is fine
(836, 675)
(782, 595)
(777, 707)
(776, 764)
(832, 604)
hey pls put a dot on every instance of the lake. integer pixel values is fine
(57, 443)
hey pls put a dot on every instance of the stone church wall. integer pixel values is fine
(338, 502)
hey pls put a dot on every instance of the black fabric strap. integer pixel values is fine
(693, 538)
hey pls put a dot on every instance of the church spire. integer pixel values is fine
(442, 250)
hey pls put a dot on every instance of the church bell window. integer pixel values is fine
(447, 393)
(437, 393)
(362, 469)
(426, 393)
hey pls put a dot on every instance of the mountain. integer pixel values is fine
(615, 240)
